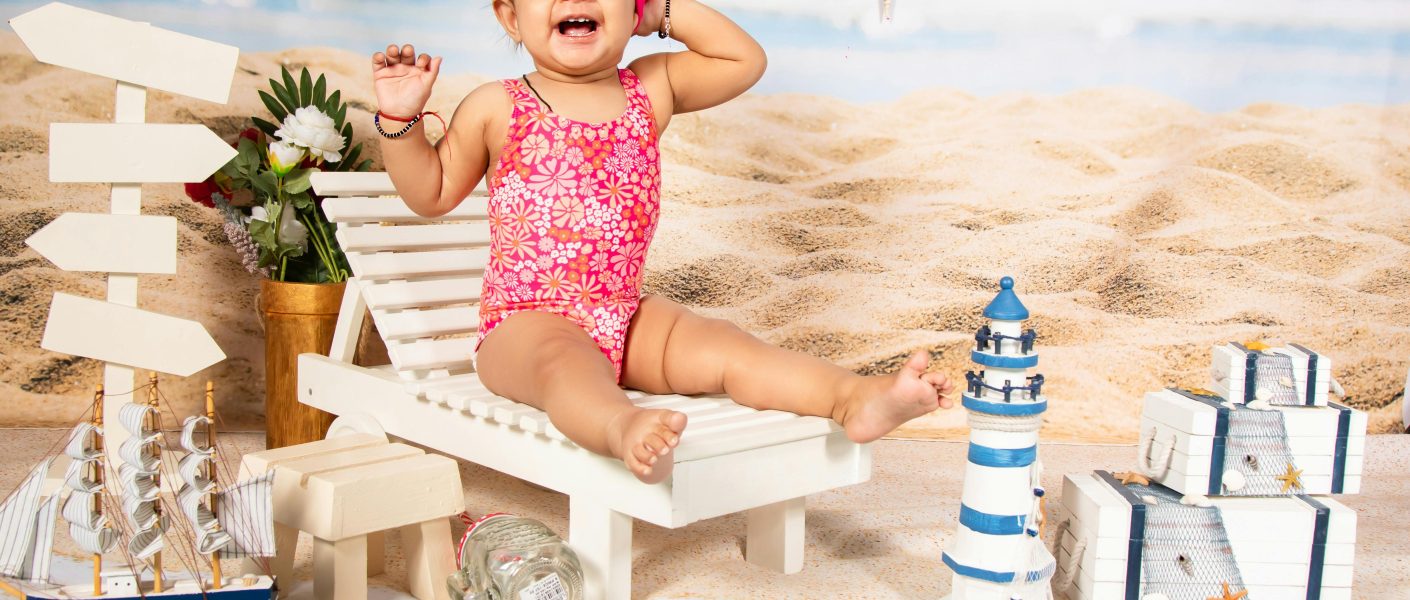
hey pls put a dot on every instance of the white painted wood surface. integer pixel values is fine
(109, 243)
(128, 336)
(1271, 539)
(420, 278)
(128, 51)
(134, 153)
(1311, 436)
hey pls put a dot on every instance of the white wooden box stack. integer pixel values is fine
(1234, 366)
(1283, 546)
(1327, 443)
(1265, 458)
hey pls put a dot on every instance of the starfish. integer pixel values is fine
(1227, 595)
(1126, 477)
(1290, 479)
(1201, 392)
(1256, 346)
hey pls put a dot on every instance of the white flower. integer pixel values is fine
(283, 157)
(291, 231)
(308, 127)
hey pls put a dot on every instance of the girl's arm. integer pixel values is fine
(431, 180)
(721, 60)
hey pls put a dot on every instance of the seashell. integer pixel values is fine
(1186, 564)
(1251, 461)
(1196, 500)
(1262, 394)
(1234, 481)
(1259, 405)
(1286, 382)
(1149, 499)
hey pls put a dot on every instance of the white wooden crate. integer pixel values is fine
(1327, 442)
(1233, 366)
(1281, 545)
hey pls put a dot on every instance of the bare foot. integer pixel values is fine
(644, 440)
(882, 403)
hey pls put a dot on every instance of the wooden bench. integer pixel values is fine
(421, 281)
(346, 492)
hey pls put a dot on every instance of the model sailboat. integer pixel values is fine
(231, 522)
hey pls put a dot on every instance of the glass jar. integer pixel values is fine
(504, 557)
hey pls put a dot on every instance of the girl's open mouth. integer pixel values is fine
(577, 27)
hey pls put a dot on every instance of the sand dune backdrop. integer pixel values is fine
(1140, 230)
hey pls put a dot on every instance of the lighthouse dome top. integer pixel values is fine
(1006, 306)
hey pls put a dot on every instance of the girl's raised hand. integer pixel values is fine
(402, 81)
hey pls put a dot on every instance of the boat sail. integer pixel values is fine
(140, 476)
(236, 521)
(27, 528)
(244, 527)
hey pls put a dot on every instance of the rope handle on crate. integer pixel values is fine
(1074, 559)
(1143, 453)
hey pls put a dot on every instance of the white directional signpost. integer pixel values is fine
(125, 153)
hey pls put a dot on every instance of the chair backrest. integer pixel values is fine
(419, 277)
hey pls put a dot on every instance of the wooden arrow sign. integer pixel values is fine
(134, 153)
(92, 42)
(108, 243)
(128, 336)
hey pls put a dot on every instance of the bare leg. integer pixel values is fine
(672, 350)
(548, 362)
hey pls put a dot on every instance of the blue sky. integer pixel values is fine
(1217, 55)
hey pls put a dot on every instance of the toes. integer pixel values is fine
(917, 361)
(674, 421)
(657, 444)
(642, 454)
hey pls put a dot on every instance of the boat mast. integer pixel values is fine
(156, 423)
(98, 467)
(211, 473)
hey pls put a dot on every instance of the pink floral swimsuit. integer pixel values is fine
(572, 210)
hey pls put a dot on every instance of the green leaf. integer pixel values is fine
(247, 158)
(263, 233)
(285, 98)
(302, 201)
(265, 126)
(273, 106)
(365, 166)
(341, 116)
(335, 101)
(351, 158)
(347, 134)
(320, 91)
(297, 181)
(290, 86)
(265, 183)
(305, 88)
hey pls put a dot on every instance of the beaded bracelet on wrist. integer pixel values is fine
(377, 121)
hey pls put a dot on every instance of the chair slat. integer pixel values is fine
(400, 265)
(462, 400)
(427, 292)
(510, 413)
(374, 238)
(755, 435)
(737, 422)
(394, 210)
(716, 413)
(432, 354)
(427, 323)
(440, 394)
(483, 407)
(423, 387)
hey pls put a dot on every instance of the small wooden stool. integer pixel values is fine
(345, 491)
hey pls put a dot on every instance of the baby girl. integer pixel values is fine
(571, 153)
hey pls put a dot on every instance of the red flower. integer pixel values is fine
(201, 192)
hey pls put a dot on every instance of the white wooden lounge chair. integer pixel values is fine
(421, 280)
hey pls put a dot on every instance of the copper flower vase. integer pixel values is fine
(298, 318)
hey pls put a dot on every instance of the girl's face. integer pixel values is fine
(573, 37)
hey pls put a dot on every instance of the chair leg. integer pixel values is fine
(429, 561)
(340, 569)
(602, 538)
(775, 536)
(286, 543)
(376, 553)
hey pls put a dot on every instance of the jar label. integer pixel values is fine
(548, 588)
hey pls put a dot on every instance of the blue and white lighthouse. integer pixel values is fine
(997, 553)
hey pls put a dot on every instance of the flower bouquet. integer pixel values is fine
(271, 215)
